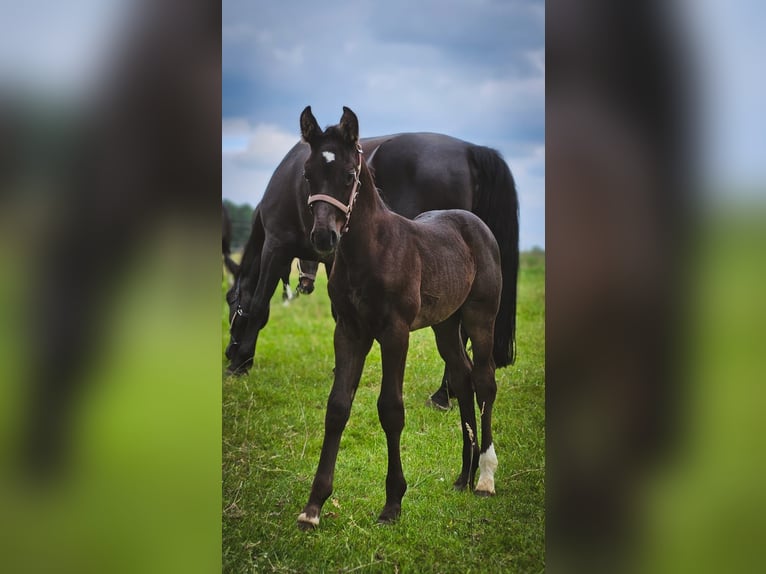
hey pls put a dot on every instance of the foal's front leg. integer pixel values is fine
(350, 352)
(393, 348)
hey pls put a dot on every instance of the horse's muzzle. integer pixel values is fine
(305, 286)
(324, 240)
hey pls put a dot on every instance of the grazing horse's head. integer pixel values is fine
(307, 273)
(305, 286)
(332, 172)
(237, 317)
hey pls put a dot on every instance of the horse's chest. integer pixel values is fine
(366, 303)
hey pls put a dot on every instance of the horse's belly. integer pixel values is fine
(436, 308)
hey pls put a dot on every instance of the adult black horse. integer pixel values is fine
(414, 172)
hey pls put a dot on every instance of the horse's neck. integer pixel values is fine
(367, 215)
(374, 204)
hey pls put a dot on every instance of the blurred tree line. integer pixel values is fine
(241, 220)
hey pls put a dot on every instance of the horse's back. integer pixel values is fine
(467, 225)
(423, 171)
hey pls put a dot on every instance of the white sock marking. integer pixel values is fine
(303, 518)
(328, 156)
(487, 467)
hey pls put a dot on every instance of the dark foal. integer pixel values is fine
(391, 276)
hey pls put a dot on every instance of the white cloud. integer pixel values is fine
(60, 45)
(262, 144)
(476, 73)
(249, 155)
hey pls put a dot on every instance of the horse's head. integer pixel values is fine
(238, 301)
(332, 172)
(307, 273)
(305, 286)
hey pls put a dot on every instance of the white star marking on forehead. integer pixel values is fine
(328, 156)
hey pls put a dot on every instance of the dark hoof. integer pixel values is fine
(459, 485)
(306, 526)
(439, 401)
(235, 372)
(389, 516)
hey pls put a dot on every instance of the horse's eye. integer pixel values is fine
(350, 176)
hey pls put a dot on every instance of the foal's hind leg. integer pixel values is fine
(440, 398)
(451, 349)
(479, 325)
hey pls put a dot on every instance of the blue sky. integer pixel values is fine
(470, 68)
(473, 69)
(728, 46)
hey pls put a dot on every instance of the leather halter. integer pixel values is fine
(302, 274)
(346, 209)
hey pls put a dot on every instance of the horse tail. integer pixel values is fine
(497, 204)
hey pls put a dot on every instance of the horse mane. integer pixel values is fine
(253, 246)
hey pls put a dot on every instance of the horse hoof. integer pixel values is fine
(438, 401)
(483, 493)
(239, 370)
(389, 516)
(459, 486)
(436, 406)
(306, 523)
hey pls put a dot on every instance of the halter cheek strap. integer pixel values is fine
(346, 209)
(302, 274)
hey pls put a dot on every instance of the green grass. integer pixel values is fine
(272, 432)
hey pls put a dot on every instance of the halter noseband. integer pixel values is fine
(346, 209)
(302, 274)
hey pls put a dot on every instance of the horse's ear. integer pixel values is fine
(349, 126)
(310, 129)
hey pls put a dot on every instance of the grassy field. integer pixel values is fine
(272, 432)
